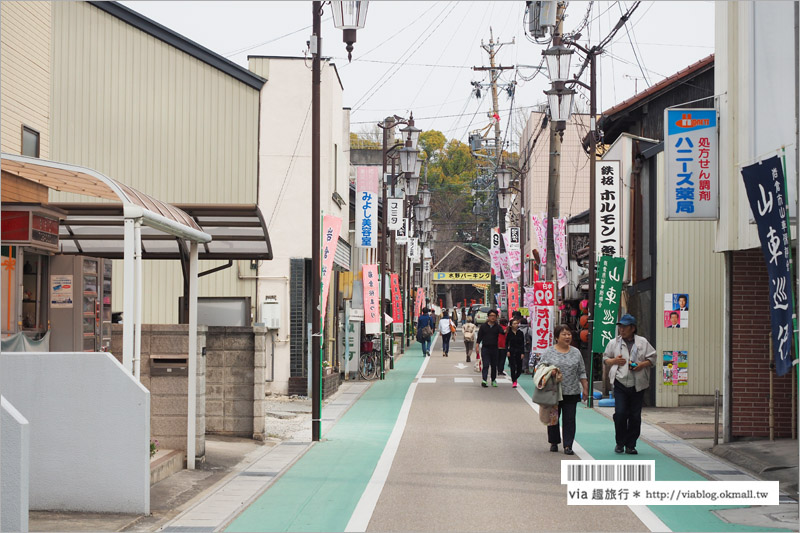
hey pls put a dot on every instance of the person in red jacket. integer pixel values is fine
(501, 346)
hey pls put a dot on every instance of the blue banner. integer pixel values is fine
(767, 194)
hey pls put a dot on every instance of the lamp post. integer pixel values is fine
(351, 16)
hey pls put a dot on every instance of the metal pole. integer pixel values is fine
(716, 417)
(382, 270)
(316, 381)
(592, 207)
(554, 174)
(191, 408)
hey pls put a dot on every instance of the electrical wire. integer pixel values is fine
(289, 168)
(633, 48)
(250, 47)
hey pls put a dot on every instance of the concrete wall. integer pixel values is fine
(89, 431)
(237, 367)
(15, 468)
(169, 393)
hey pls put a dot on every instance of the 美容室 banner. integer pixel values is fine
(331, 227)
(608, 209)
(691, 153)
(367, 207)
(372, 289)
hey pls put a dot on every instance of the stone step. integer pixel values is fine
(165, 463)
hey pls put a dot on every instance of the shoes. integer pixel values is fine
(514, 386)
(554, 447)
(568, 451)
(631, 451)
(494, 384)
(468, 360)
(618, 449)
(501, 373)
(483, 383)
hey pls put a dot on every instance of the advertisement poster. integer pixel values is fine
(397, 305)
(331, 226)
(543, 315)
(608, 292)
(61, 291)
(765, 188)
(675, 370)
(367, 207)
(691, 154)
(372, 318)
(676, 310)
(609, 210)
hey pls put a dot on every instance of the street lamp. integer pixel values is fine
(349, 16)
(408, 159)
(503, 177)
(422, 212)
(427, 225)
(558, 59)
(412, 184)
(560, 103)
(411, 133)
(504, 198)
(425, 197)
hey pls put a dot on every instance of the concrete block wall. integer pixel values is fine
(168, 394)
(750, 357)
(237, 369)
(15, 468)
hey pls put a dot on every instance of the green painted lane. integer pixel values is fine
(321, 490)
(595, 433)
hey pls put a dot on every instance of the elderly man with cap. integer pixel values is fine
(630, 359)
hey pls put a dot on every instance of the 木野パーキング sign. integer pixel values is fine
(462, 276)
(367, 207)
(691, 153)
(608, 209)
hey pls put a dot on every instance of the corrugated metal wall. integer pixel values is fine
(688, 264)
(153, 117)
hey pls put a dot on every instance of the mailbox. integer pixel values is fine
(169, 365)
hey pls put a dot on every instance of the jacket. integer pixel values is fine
(547, 389)
(641, 351)
(487, 335)
(469, 331)
(515, 342)
(526, 330)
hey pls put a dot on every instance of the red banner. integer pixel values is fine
(420, 302)
(513, 297)
(544, 293)
(331, 226)
(397, 305)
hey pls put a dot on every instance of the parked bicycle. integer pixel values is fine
(368, 363)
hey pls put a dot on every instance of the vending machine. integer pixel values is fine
(80, 304)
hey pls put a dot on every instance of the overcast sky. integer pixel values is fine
(418, 56)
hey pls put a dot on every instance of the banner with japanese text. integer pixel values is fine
(395, 212)
(527, 299)
(372, 308)
(331, 226)
(494, 251)
(560, 246)
(766, 192)
(513, 297)
(401, 235)
(540, 229)
(397, 305)
(513, 254)
(367, 179)
(419, 302)
(608, 209)
(607, 297)
(543, 315)
(691, 153)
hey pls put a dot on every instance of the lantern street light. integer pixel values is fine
(558, 60)
(427, 225)
(425, 197)
(422, 212)
(410, 132)
(503, 177)
(504, 198)
(349, 16)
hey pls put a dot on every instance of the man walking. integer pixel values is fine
(487, 339)
(629, 358)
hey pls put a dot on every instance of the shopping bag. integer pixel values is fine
(548, 415)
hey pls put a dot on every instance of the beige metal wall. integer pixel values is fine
(153, 117)
(687, 263)
(25, 73)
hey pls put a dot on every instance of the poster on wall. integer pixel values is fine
(61, 292)
(676, 310)
(675, 371)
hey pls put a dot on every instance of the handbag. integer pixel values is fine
(452, 327)
(427, 332)
(547, 395)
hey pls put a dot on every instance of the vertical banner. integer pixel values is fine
(353, 329)
(331, 226)
(608, 210)
(512, 242)
(419, 304)
(494, 251)
(544, 299)
(527, 299)
(401, 235)
(691, 153)
(765, 188)
(560, 244)
(540, 228)
(367, 207)
(395, 213)
(413, 250)
(397, 305)
(513, 297)
(372, 309)
(607, 296)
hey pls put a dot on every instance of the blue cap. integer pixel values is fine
(627, 320)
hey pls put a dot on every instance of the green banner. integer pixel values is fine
(607, 296)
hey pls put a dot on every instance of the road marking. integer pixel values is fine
(461, 366)
(362, 514)
(463, 380)
(426, 380)
(642, 512)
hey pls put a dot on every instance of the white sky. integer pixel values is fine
(417, 56)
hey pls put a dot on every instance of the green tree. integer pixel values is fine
(431, 143)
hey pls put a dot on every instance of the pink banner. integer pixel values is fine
(514, 257)
(397, 305)
(560, 244)
(528, 298)
(544, 293)
(420, 302)
(367, 207)
(513, 297)
(540, 228)
(331, 226)
(372, 295)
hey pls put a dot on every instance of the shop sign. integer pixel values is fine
(395, 213)
(367, 207)
(25, 227)
(462, 276)
(691, 153)
(401, 234)
(608, 292)
(608, 209)
(513, 297)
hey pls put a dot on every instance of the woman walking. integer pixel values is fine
(445, 331)
(569, 361)
(469, 336)
(515, 342)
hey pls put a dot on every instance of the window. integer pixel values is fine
(30, 142)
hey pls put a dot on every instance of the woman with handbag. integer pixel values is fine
(425, 331)
(569, 362)
(469, 336)
(446, 328)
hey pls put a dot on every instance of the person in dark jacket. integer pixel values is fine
(425, 319)
(502, 349)
(515, 343)
(487, 339)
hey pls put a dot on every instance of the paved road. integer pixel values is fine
(475, 459)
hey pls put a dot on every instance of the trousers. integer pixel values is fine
(490, 356)
(446, 342)
(515, 364)
(567, 408)
(627, 414)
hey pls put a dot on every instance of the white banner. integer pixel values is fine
(513, 241)
(560, 245)
(513, 253)
(540, 228)
(608, 209)
(691, 153)
(494, 251)
(367, 207)
(401, 235)
(413, 250)
(395, 212)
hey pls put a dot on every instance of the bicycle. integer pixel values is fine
(368, 361)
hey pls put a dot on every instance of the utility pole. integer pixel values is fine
(494, 72)
(316, 230)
